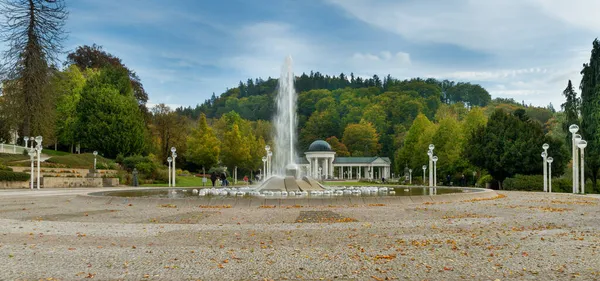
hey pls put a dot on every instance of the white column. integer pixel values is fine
(331, 167)
(326, 170)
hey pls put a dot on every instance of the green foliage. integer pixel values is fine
(132, 161)
(414, 149)
(449, 142)
(109, 119)
(571, 109)
(536, 183)
(483, 180)
(68, 86)
(590, 111)
(203, 145)
(235, 151)
(511, 144)
(361, 139)
(5, 168)
(13, 176)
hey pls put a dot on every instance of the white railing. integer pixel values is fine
(11, 148)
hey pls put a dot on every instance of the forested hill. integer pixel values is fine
(254, 100)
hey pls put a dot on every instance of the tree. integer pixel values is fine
(590, 111)
(94, 57)
(68, 86)
(33, 30)
(474, 119)
(169, 130)
(109, 119)
(203, 147)
(449, 142)
(361, 139)
(234, 150)
(340, 149)
(510, 144)
(413, 152)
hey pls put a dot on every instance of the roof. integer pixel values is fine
(319, 145)
(360, 160)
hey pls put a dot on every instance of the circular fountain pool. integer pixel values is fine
(362, 191)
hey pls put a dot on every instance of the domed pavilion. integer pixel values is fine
(321, 163)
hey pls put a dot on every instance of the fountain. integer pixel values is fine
(286, 174)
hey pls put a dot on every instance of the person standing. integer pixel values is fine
(213, 178)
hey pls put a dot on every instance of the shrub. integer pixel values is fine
(131, 162)
(484, 179)
(13, 176)
(146, 168)
(536, 183)
(5, 168)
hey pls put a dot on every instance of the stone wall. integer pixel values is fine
(62, 171)
(14, 184)
(50, 182)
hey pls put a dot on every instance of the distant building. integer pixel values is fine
(320, 162)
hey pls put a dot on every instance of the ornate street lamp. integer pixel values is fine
(95, 154)
(32, 153)
(424, 168)
(270, 163)
(26, 139)
(582, 144)
(430, 154)
(264, 159)
(174, 155)
(573, 129)
(545, 146)
(169, 160)
(550, 159)
(435, 159)
(38, 148)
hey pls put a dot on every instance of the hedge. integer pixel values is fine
(13, 176)
(536, 183)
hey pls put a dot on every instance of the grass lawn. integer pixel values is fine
(6, 158)
(83, 161)
(51, 152)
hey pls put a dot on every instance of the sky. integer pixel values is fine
(185, 50)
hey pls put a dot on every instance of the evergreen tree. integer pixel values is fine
(33, 30)
(571, 108)
(590, 111)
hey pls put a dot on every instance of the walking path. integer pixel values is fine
(55, 233)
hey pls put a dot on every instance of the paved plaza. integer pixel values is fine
(59, 235)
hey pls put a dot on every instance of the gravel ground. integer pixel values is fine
(522, 236)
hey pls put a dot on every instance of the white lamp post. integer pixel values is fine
(576, 178)
(264, 159)
(424, 168)
(32, 139)
(435, 159)
(544, 158)
(582, 144)
(26, 139)
(545, 146)
(430, 154)
(169, 160)
(38, 148)
(95, 154)
(573, 129)
(550, 159)
(267, 149)
(174, 155)
(409, 176)
(270, 163)
(32, 153)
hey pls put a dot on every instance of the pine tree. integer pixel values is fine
(33, 31)
(571, 109)
(590, 111)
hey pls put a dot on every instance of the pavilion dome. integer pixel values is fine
(319, 145)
